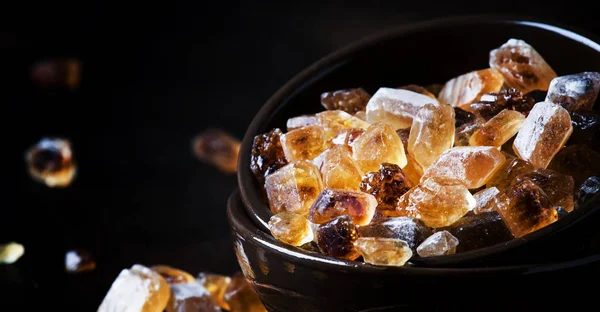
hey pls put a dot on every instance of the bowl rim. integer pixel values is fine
(243, 228)
(252, 200)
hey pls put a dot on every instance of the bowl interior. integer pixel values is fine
(425, 53)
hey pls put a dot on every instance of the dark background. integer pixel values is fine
(153, 77)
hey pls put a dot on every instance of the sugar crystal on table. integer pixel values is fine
(339, 171)
(465, 89)
(336, 238)
(576, 93)
(387, 185)
(216, 147)
(439, 244)
(291, 228)
(333, 203)
(410, 230)
(472, 165)
(432, 133)
(241, 297)
(294, 187)
(522, 66)
(173, 275)
(349, 100)
(383, 251)
(379, 144)
(437, 201)
(396, 107)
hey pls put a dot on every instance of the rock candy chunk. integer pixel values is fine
(559, 187)
(479, 230)
(333, 203)
(304, 143)
(387, 185)
(173, 275)
(472, 165)
(463, 133)
(216, 286)
(300, 121)
(544, 132)
(191, 297)
(588, 190)
(510, 170)
(499, 129)
(383, 251)
(576, 93)
(339, 171)
(437, 201)
(51, 162)
(432, 133)
(586, 130)
(525, 208)
(79, 260)
(337, 121)
(267, 154)
(396, 107)
(410, 230)
(468, 88)
(439, 244)
(217, 148)
(241, 297)
(137, 289)
(349, 100)
(492, 104)
(485, 200)
(294, 187)
(379, 144)
(418, 89)
(578, 161)
(522, 66)
(336, 238)
(291, 228)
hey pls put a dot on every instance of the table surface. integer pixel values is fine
(152, 79)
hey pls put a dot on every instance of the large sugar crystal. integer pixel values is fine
(379, 144)
(339, 170)
(499, 129)
(576, 93)
(396, 107)
(432, 133)
(468, 88)
(387, 185)
(294, 187)
(304, 143)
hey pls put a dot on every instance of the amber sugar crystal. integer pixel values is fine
(304, 143)
(379, 144)
(468, 88)
(499, 129)
(349, 100)
(339, 170)
(396, 107)
(173, 275)
(387, 185)
(218, 148)
(294, 187)
(432, 133)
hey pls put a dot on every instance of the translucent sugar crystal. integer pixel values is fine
(267, 154)
(578, 161)
(396, 107)
(336, 238)
(499, 129)
(413, 170)
(475, 231)
(472, 165)
(485, 200)
(387, 185)
(173, 275)
(463, 133)
(522, 66)
(468, 88)
(11, 252)
(525, 208)
(491, 104)
(216, 286)
(294, 187)
(383, 251)
(190, 297)
(510, 170)
(418, 89)
(349, 100)
(544, 132)
(51, 162)
(437, 201)
(410, 230)
(439, 244)
(241, 297)
(137, 289)
(304, 143)
(588, 189)
(300, 121)
(217, 148)
(339, 170)
(559, 187)
(333, 203)
(576, 93)
(291, 228)
(379, 144)
(432, 133)
(337, 121)
(79, 260)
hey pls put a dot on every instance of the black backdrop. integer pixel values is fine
(153, 77)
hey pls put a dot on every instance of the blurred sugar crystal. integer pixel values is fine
(241, 297)
(191, 297)
(11, 252)
(79, 260)
(217, 148)
(53, 73)
(51, 161)
(173, 275)
(217, 285)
